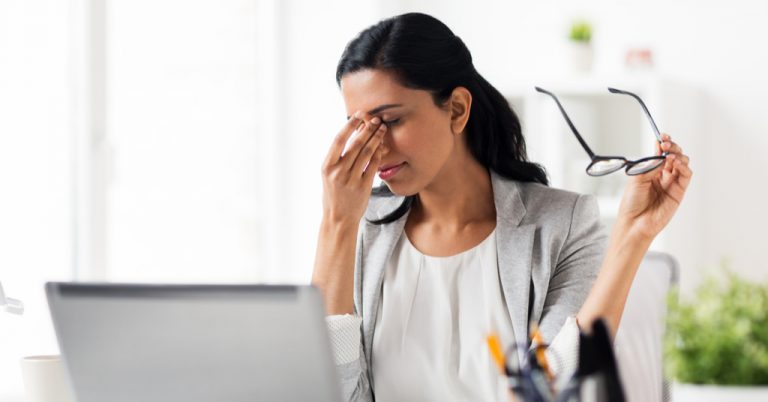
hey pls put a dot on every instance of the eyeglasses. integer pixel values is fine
(603, 165)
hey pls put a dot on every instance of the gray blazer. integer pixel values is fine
(550, 245)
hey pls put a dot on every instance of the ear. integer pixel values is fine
(460, 104)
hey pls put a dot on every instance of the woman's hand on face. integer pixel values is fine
(348, 175)
(651, 199)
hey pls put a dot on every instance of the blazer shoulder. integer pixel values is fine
(548, 203)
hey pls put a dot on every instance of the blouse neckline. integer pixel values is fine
(458, 255)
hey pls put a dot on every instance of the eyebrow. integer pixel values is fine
(382, 108)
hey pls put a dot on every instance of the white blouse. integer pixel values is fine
(431, 328)
(429, 343)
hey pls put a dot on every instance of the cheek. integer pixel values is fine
(405, 141)
(421, 146)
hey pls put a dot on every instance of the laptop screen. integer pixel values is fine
(193, 342)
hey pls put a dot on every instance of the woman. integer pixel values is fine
(466, 238)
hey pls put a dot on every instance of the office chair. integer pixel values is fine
(639, 340)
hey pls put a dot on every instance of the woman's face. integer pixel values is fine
(419, 140)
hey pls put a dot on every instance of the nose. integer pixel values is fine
(385, 145)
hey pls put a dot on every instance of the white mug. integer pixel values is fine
(45, 380)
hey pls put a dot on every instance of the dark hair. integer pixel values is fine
(423, 53)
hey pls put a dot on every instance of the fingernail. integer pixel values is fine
(356, 115)
(375, 120)
(383, 127)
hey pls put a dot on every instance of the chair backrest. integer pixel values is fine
(639, 339)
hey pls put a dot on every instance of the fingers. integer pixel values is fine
(373, 167)
(669, 146)
(667, 178)
(673, 150)
(366, 154)
(684, 171)
(358, 144)
(676, 174)
(334, 154)
(678, 182)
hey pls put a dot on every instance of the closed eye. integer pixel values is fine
(390, 122)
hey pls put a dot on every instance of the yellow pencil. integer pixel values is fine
(496, 352)
(541, 356)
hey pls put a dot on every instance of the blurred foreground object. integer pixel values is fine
(9, 305)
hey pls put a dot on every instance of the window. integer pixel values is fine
(160, 141)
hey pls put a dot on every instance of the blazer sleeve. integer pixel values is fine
(353, 378)
(577, 266)
(352, 370)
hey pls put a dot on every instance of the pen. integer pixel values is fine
(541, 356)
(494, 345)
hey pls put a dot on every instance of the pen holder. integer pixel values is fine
(595, 380)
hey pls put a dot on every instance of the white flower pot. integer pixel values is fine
(581, 57)
(718, 393)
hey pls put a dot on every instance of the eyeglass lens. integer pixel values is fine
(605, 166)
(644, 166)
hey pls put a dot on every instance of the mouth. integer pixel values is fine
(386, 172)
(388, 167)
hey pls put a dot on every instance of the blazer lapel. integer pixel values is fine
(378, 244)
(514, 245)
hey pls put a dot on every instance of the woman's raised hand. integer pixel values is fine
(649, 202)
(347, 180)
(348, 175)
(651, 199)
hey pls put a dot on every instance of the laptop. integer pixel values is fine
(193, 343)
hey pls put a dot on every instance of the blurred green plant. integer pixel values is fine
(720, 336)
(581, 31)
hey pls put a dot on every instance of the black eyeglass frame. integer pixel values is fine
(595, 159)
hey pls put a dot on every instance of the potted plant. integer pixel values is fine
(581, 46)
(716, 347)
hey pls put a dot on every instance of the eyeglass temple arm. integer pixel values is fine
(645, 109)
(570, 123)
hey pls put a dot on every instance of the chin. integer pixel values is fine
(401, 189)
